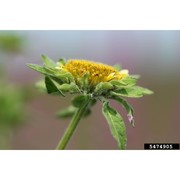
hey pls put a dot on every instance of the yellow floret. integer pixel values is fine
(97, 72)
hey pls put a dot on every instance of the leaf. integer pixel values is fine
(37, 68)
(41, 85)
(70, 111)
(72, 88)
(133, 92)
(144, 90)
(128, 108)
(116, 124)
(62, 61)
(65, 76)
(127, 92)
(66, 113)
(80, 100)
(103, 87)
(51, 86)
(125, 82)
(47, 61)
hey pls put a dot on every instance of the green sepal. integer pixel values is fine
(65, 76)
(52, 86)
(85, 81)
(71, 88)
(102, 87)
(47, 61)
(128, 108)
(125, 82)
(80, 100)
(116, 124)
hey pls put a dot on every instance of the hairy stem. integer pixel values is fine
(72, 126)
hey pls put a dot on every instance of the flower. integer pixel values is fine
(91, 81)
(97, 72)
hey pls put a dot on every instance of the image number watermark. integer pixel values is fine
(161, 146)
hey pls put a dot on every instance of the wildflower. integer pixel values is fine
(97, 72)
(91, 81)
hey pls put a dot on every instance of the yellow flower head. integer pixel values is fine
(97, 72)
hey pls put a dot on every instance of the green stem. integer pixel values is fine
(72, 126)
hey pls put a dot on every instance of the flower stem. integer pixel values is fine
(72, 126)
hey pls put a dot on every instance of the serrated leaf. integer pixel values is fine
(116, 124)
(47, 61)
(128, 108)
(80, 100)
(51, 86)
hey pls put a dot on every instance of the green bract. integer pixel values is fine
(59, 81)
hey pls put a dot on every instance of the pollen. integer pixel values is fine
(97, 72)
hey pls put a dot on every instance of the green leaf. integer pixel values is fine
(72, 88)
(127, 92)
(66, 113)
(128, 108)
(51, 86)
(62, 61)
(125, 82)
(41, 85)
(144, 90)
(65, 76)
(116, 125)
(70, 111)
(37, 68)
(133, 92)
(80, 100)
(47, 61)
(103, 87)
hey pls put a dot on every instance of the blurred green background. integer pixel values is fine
(27, 116)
